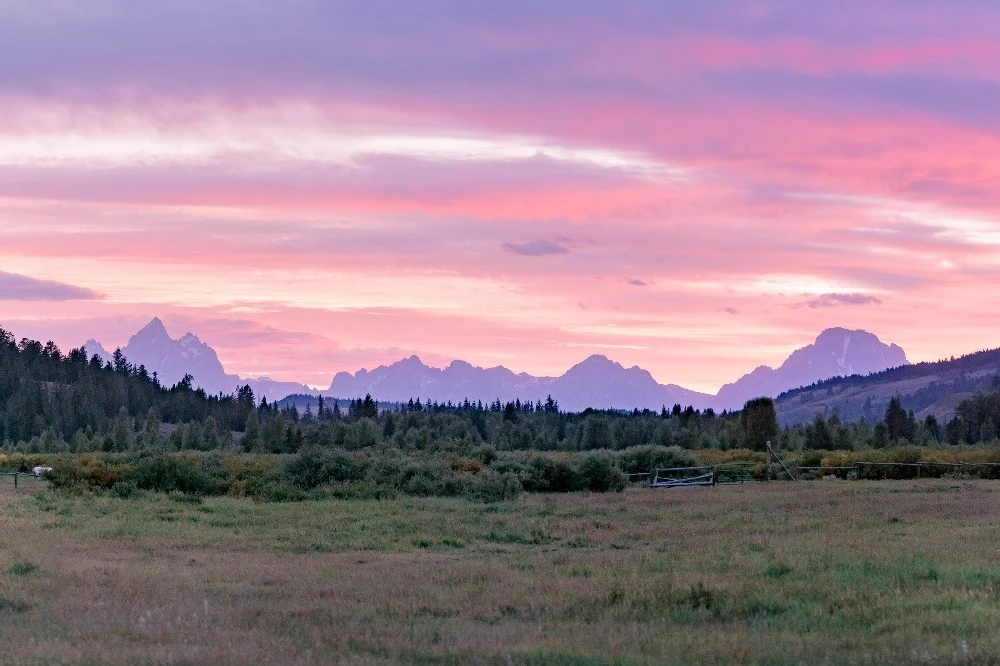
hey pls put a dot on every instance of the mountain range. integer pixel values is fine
(595, 382)
(601, 383)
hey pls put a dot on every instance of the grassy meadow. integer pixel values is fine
(817, 572)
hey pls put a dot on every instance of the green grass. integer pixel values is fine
(22, 568)
(818, 572)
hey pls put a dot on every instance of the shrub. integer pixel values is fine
(167, 473)
(125, 490)
(551, 475)
(87, 472)
(361, 490)
(492, 487)
(429, 478)
(486, 454)
(644, 458)
(466, 465)
(811, 459)
(600, 473)
(317, 467)
(275, 491)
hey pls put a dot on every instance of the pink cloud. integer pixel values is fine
(508, 165)
(15, 287)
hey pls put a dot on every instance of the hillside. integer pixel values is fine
(930, 388)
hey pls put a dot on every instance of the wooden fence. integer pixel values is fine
(774, 468)
(29, 475)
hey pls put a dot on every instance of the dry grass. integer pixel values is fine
(820, 572)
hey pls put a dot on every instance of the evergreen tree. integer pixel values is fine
(932, 427)
(818, 435)
(760, 423)
(210, 434)
(251, 432)
(150, 437)
(122, 432)
(898, 423)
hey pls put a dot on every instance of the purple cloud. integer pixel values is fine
(835, 300)
(536, 248)
(15, 287)
(635, 282)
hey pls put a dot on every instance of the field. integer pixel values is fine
(816, 572)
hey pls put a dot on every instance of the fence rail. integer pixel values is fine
(30, 475)
(672, 477)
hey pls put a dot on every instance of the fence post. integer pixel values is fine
(15, 480)
(768, 465)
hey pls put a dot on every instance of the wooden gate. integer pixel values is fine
(672, 477)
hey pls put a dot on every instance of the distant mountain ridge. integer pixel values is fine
(596, 382)
(601, 383)
(171, 359)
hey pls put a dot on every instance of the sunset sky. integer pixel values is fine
(313, 185)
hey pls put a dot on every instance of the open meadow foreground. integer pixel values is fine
(817, 572)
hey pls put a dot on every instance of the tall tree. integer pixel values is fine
(760, 423)
(122, 432)
(150, 437)
(897, 422)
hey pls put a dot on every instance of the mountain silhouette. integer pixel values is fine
(600, 382)
(597, 381)
(837, 352)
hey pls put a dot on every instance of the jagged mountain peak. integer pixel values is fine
(836, 352)
(596, 362)
(153, 332)
(153, 348)
(154, 324)
(94, 347)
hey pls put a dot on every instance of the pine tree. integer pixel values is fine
(210, 434)
(251, 432)
(150, 438)
(760, 423)
(897, 422)
(122, 433)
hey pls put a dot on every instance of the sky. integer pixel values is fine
(313, 186)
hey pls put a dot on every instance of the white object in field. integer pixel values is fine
(39, 471)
